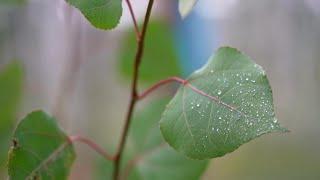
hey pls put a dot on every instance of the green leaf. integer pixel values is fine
(159, 53)
(40, 149)
(102, 14)
(234, 106)
(186, 6)
(10, 92)
(154, 158)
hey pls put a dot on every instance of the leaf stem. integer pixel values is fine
(136, 27)
(134, 93)
(187, 84)
(159, 84)
(93, 145)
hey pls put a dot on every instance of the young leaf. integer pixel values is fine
(102, 14)
(153, 158)
(10, 92)
(230, 104)
(186, 6)
(159, 52)
(40, 149)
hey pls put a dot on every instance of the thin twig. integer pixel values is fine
(134, 93)
(136, 27)
(93, 145)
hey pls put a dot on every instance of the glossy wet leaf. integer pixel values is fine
(159, 53)
(102, 14)
(186, 6)
(40, 149)
(10, 92)
(236, 108)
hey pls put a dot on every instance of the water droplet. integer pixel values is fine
(247, 79)
(253, 81)
(220, 118)
(198, 105)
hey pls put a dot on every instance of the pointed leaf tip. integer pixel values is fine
(186, 6)
(102, 14)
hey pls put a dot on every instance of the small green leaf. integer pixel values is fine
(234, 106)
(186, 6)
(154, 159)
(159, 52)
(10, 92)
(102, 14)
(40, 149)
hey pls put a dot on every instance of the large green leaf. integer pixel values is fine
(40, 149)
(185, 7)
(160, 59)
(154, 158)
(233, 106)
(10, 92)
(102, 14)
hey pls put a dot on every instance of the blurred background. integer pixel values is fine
(81, 75)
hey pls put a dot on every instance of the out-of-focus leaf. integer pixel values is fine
(235, 107)
(186, 6)
(160, 58)
(154, 159)
(147, 154)
(12, 2)
(102, 14)
(10, 92)
(40, 149)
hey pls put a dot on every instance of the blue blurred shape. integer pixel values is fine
(196, 39)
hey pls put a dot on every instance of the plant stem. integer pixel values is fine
(93, 145)
(134, 91)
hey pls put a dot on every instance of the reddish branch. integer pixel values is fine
(93, 145)
(160, 83)
(134, 94)
(187, 84)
